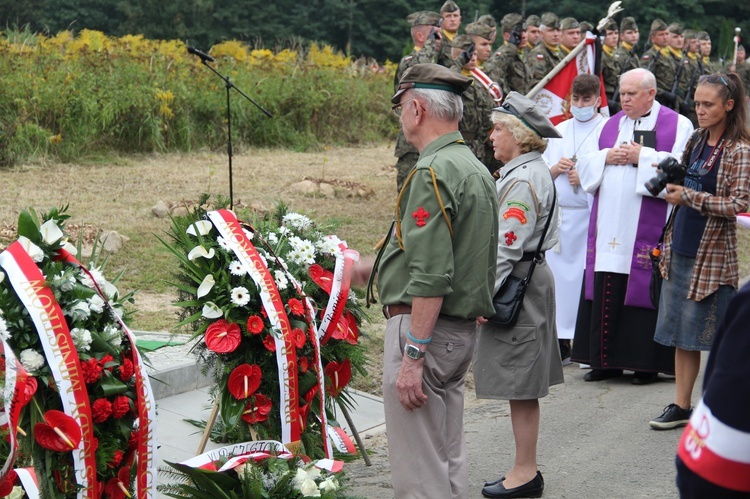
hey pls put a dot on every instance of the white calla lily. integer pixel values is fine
(51, 233)
(200, 251)
(34, 251)
(202, 227)
(211, 311)
(206, 285)
(70, 248)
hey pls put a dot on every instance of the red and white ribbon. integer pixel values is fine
(342, 276)
(29, 482)
(251, 450)
(61, 355)
(492, 87)
(15, 383)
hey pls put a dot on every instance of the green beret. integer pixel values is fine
(676, 28)
(510, 21)
(533, 20)
(550, 20)
(658, 25)
(449, 6)
(479, 29)
(462, 42)
(424, 18)
(569, 23)
(530, 115)
(703, 35)
(431, 76)
(487, 19)
(628, 23)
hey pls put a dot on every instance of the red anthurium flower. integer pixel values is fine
(346, 329)
(255, 324)
(59, 432)
(337, 376)
(29, 390)
(117, 488)
(6, 486)
(223, 336)
(304, 410)
(299, 337)
(296, 307)
(321, 277)
(257, 409)
(270, 343)
(244, 380)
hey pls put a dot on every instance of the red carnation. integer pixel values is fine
(223, 336)
(91, 371)
(120, 407)
(299, 337)
(255, 324)
(127, 369)
(101, 410)
(257, 409)
(270, 343)
(107, 359)
(304, 364)
(296, 307)
(244, 380)
(116, 459)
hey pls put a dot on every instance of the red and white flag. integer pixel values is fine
(553, 99)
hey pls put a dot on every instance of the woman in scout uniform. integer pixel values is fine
(519, 364)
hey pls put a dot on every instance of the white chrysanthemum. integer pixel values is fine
(297, 220)
(118, 312)
(353, 297)
(281, 281)
(63, 281)
(87, 280)
(31, 360)
(249, 234)
(240, 296)
(81, 339)
(4, 329)
(330, 245)
(284, 230)
(296, 257)
(96, 304)
(112, 335)
(272, 238)
(236, 268)
(78, 312)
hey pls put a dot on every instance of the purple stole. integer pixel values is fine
(650, 220)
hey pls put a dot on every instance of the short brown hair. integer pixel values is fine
(585, 85)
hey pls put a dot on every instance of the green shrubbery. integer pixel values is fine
(65, 98)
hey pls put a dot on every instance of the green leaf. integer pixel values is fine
(112, 386)
(29, 227)
(230, 408)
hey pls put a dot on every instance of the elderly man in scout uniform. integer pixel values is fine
(424, 27)
(610, 65)
(547, 54)
(451, 23)
(570, 35)
(533, 34)
(506, 66)
(658, 39)
(672, 71)
(435, 277)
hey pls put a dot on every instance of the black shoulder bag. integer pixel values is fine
(509, 298)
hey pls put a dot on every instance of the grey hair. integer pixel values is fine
(525, 137)
(647, 78)
(440, 104)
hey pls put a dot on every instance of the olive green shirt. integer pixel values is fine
(432, 263)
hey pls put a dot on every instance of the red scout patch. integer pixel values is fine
(421, 216)
(516, 213)
(510, 238)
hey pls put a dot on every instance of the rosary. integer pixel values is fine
(574, 159)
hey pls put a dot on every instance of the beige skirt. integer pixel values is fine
(522, 362)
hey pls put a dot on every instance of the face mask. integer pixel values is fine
(582, 113)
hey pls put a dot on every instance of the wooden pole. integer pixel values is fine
(207, 431)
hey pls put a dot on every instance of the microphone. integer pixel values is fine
(204, 57)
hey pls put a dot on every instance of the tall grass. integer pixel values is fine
(68, 96)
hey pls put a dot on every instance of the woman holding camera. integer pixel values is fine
(699, 260)
(521, 362)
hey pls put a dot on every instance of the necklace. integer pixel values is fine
(577, 147)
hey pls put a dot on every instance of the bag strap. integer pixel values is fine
(536, 258)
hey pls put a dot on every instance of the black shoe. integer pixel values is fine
(494, 482)
(534, 488)
(601, 374)
(565, 349)
(641, 378)
(673, 416)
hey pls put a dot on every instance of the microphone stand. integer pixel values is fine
(229, 85)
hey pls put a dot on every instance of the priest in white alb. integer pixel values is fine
(616, 321)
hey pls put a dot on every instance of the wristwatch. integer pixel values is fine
(413, 352)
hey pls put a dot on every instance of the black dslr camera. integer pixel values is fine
(671, 172)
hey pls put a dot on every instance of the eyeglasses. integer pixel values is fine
(714, 78)
(397, 109)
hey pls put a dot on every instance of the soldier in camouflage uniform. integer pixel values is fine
(424, 27)
(610, 66)
(506, 66)
(625, 54)
(533, 34)
(451, 23)
(672, 72)
(545, 56)
(570, 35)
(741, 68)
(704, 40)
(475, 125)
(480, 34)
(489, 21)
(658, 39)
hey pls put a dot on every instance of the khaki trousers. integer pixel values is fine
(426, 447)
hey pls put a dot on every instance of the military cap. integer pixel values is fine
(550, 20)
(569, 23)
(703, 35)
(526, 110)
(676, 28)
(690, 34)
(431, 76)
(510, 21)
(462, 42)
(479, 29)
(533, 20)
(487, 19)
(424, 18)
(449, 6)
(610, 26)
(628, 23)
(658, 25)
